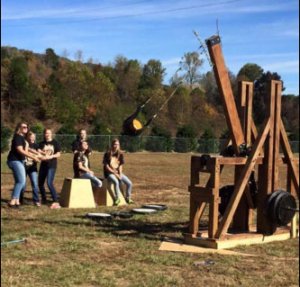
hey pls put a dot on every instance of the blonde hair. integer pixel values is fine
(29, 134)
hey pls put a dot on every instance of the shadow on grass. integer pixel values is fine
(26, 200)
(136, 228)
(142, 229)
(4, 201)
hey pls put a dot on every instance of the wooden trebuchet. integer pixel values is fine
(231, 210)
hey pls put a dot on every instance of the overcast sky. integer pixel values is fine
(263, 32)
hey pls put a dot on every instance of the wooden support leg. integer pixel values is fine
(240, 219)
(213, 216)
(268, 172)
(295, 226)
(290, 187)
(196, 211)
(293, 170)
(214, 200)
(264, 225)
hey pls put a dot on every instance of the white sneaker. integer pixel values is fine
(55, 205)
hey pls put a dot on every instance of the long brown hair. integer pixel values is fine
(19, 127)
(110, 150)
(45, 130)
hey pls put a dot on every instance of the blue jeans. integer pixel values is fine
(19, 173)
(49, 173)
(116, 182)
(33, 176)
(96, 182)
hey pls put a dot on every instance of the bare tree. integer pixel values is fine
(78, 56)
(65, 53)
(191, 63)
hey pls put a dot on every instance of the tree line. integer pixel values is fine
(46, 89)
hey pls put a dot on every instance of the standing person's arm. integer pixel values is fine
(75, 146)
(56, 155)
(46, 156)
(57, 150)
(36, 151)
(42, 152)
(33, 151)
(23, 151)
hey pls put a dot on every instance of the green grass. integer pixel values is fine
(64, 248)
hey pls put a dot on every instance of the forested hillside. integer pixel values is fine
(48, 90)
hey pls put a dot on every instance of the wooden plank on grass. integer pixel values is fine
(178, 246)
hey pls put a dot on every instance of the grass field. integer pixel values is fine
(64, 248)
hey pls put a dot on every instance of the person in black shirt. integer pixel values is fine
(113, 162)
(48, 167)
(15, 162)
(81, 159)
(82, 136)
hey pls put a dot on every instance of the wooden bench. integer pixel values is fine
(77, 193)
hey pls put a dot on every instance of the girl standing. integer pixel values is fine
(15, 162)
(48, 167)
(31, 167)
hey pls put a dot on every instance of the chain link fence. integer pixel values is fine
(151, 143)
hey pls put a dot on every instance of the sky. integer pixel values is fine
(263, 32)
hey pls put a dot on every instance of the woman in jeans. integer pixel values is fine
(31, 167)
(82, 166)
(52, 149)
(113, 162)
(15, 162)
(76, 146)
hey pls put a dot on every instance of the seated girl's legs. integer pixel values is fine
(112, 178)
(50, 180)
(128, 183)
(96, 182)
(19, 174)
(33, 176)
(41, 180)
